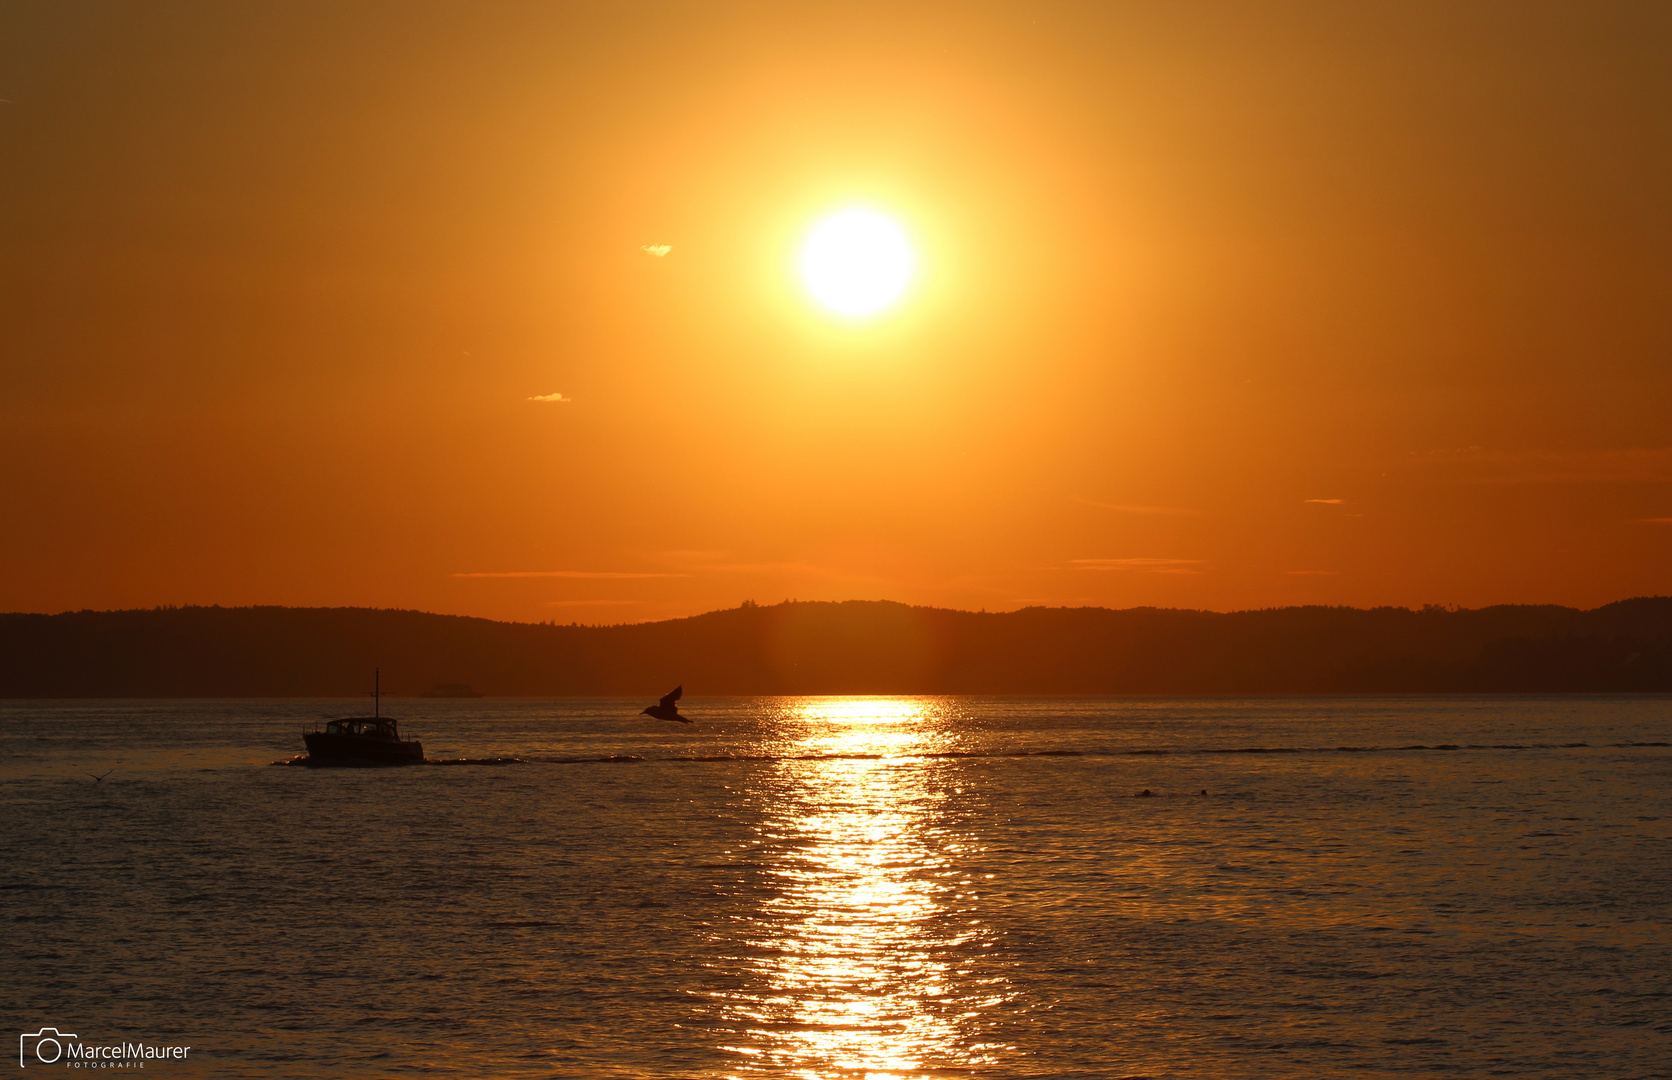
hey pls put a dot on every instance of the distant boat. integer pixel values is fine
(450, 689)
(363, 740)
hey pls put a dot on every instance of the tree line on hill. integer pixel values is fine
(853, 647)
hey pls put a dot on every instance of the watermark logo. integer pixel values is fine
(45, 1046)
(49, 1046)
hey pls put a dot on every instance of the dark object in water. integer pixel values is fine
(667, 710)
(363, 740)
(450, 690)
(1145, 794)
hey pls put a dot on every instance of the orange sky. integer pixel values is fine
(1219, 306)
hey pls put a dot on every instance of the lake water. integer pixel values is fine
(853, 887)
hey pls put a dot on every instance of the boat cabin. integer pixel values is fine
(370, 727)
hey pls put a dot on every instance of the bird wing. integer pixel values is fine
(668, 702)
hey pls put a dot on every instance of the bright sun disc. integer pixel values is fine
(857, 262)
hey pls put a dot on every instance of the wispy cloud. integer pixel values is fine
(1313, 573)
(556, 398)
(1655, 521)
(1325, 502)
(1144, 565)
(590, 603)
(1132, 508)
(657, 250)
(614, 575)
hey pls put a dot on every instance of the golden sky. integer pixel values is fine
(1219, 306)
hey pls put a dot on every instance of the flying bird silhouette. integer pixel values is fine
(98, 778)
(667, 710)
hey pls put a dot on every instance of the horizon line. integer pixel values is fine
(752, 605)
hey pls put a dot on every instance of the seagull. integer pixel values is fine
(98, 778)
(667, 710)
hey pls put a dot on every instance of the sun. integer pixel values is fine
(857, 262)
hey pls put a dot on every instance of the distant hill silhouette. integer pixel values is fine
(856, 647)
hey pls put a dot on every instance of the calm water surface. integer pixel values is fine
(853, 887)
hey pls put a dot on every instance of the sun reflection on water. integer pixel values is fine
(863, 959)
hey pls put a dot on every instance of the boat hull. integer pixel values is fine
(325, 748)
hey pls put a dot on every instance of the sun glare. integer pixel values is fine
(857, 262)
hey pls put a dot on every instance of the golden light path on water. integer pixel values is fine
(859, 962)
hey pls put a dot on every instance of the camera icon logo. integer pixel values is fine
(47, 1045)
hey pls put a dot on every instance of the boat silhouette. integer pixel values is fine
(363, 740)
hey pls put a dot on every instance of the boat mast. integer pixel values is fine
(377, 692)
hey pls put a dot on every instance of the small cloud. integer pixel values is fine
(557, 398)
(589, 603)
(1655, 521)
(1313, 573)
(1325, 502)
(657, 250)
(1130, 508)
(606, 574)
(1146, 565)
